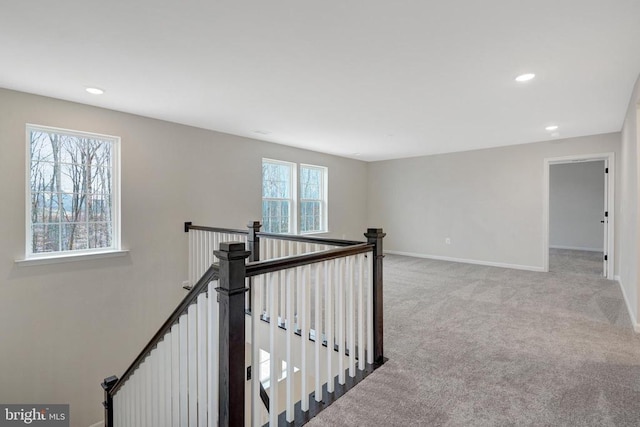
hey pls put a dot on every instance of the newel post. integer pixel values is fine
(231, 384)
(254, 240)
(375, 236)
(107, 386)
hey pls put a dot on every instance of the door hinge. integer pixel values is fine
(248, 373)
(606, 214)
(606, 258)
(606, 170)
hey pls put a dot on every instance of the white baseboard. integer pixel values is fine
(469, 261)
(574, 248)
(634, 320)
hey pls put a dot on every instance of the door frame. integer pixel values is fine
(609, 159)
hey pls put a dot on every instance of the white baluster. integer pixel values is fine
(202, 359)
(152, 360)
(175, 374)
(351, 315)
(192, 256)
(256, 402)
(216, 245)
(329, 316)
(281, 284)
(273, 353)
(200, 255)
(341, 324)
(370, 307)
(210, 249)
(318, 342)
(306, 317)
(168, 346)
(137, 399)
(160, 370)
(149, 389)
(192, 352)
(142, 414)
(184, 370)
(289, 344)
(117, 420)
(125, 392)
(361, 317)
(213, 353)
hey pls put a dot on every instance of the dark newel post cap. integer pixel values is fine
(375, 232)
(255, 225)
(230, 251)
(109, 382)
(187, 225)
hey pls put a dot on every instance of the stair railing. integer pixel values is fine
(322, 309)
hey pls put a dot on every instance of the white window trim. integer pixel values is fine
(324, 202)
(70, 257)
(294, 211)
(293, 185)
(64, 256)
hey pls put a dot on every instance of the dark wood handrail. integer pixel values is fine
(190, 298)
(189, 226)
(293, 237)
(262, 267)
(231, 273)
(309, 239)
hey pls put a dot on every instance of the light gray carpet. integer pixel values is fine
(576, 262)
(481, 346)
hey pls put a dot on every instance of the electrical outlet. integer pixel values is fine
(447, 240)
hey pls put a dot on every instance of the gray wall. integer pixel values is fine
(576, 205)
(628, 259)
(488, 202)
(67, 326)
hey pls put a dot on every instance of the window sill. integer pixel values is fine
(57, 259)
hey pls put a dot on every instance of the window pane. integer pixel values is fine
(41, 148)
(70, 182)
(99, 180)
(72, 178)
(276, 179)
(44, 208)
(275, 216)
(310, 183)
(46, 238)
(99, 208)
(100, 235)
(74, 237)
(71, 149)
(42, 176)
(73, 207)
(310, 218)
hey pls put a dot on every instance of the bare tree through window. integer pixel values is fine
(71, 187)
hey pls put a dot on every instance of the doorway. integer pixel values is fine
(578, 214)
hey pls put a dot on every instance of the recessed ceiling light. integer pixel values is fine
(95, 90)
(525, 77)
(551, 128)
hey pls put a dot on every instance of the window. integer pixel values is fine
(277, 196)
(282, 200)
(312, 198)
(72, 192)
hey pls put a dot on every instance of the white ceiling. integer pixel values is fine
(384, 79)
